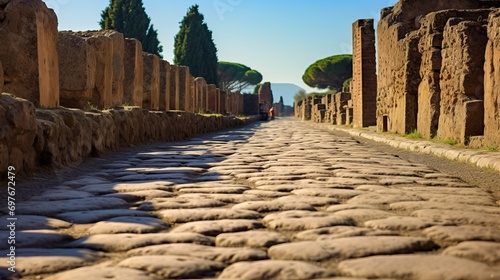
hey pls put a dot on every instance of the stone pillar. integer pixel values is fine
(29, 51)
(201, 87)
(174, 86)
(103, 48)
(223, 102)
(266, 95)
(364, 80)
(492, 83)
(164, 85)
(181, 90)
(217, 101)
(212, 99)
(134, 67)
(118, 68)
(77, 65)
(192, 96)
(151, 82)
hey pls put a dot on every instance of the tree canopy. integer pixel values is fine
(330, 72)
(194, 47)
(129, 17)
(235, 76)
(300, 95)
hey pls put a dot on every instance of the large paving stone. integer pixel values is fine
(218, 254)
(27, 222)
(125, 241)
(325, 192)
(311, 200)
(226, 190)
(172, 267)
(47, 208)
(350, 247)
(378, 198)
(302, 220)
(61, 194)
(128, 224)
(213, 228)
(403, 223)
(266, 194)
(273, 206)
(274, 269)
(339, 232)
(460, 217)
(463, 233)
(40, 261)
(86, 217)
(418, 267)
(178, 203)
(84, 181)
(35, 238)
(140, 195)
(125, 187)
(203, 214)
(253, 239)
(419, 205)
(223, 197)
(363, 215)
(465, 199)
(487, 252)
(103, 273)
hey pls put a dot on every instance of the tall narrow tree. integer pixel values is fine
(194, 47)
(129, 17)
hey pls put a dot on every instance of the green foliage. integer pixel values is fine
(129, 17)
(321, 94)
(194, 47)
(300, 95)
(492, 148)
(330, 72)
(347, 83)
(413, 135)
(235, 76)
(256, 89)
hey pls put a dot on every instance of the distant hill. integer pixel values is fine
(285, 90)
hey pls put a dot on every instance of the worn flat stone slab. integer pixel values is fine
(179, 203)
(39, 261)
(27, 222)
(463, 233)
(204, 214)
(35, 238)
(86, 217)
(103, 273)
(214, 228)
(266, 194)
(252, 239)
(140, 195)
(324, 192)
(486, 252)
(419, 267)
(403, 223)
(465, 199)
(302, 220)
(223, 197)
(218, 254)
(363, 215)
(126, 241)
(350, 247)
(342, 207)
(47, 208)
(460, 217)
(172, 267)
(61, 194)
(84, 181)
(378, 198)
(128, 224)
(311, 200)
(274, 269)
(125, 187)
(225, 190)
(418, 205)
(339, 232)
(273, 206)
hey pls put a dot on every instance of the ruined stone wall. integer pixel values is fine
(266, 95)
(492, 82)
(250, 104)
(151, 82)
(364, 82)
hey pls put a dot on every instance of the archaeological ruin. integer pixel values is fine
(435, 72)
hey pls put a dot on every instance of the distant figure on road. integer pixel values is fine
(271, 113)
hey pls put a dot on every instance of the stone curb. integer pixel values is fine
(481, 159)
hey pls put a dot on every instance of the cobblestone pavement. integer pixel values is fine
(274, 200)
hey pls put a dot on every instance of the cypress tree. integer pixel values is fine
(129, 17)
(194, 47)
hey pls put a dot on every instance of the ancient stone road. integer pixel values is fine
(275, 200)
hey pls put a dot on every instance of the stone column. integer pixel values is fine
(222, 102)
(118, 68)
(134, 67)
(201, 86)
(182, 86)
(364, 82)
(192, 95)
(211, 98)
(164, 85)
(103, 48)
(492, 83)
(151, 83)
(174, 86)
(29, 52)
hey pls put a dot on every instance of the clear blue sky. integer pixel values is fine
(278, 38)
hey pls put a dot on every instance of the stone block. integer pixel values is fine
(164, 85)
(151, 82)
(77, 65)
(29, 51)
(492, 82)
(134, 67)
(201, 88)
(211, 98)
(174, 86)
(118, 41)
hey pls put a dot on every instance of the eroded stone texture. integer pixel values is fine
(462, 74)
(102, 273)
(77, 70)
(134, 67)
(29, 52)
(492, 82)
(164, 85)
(151, 82)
